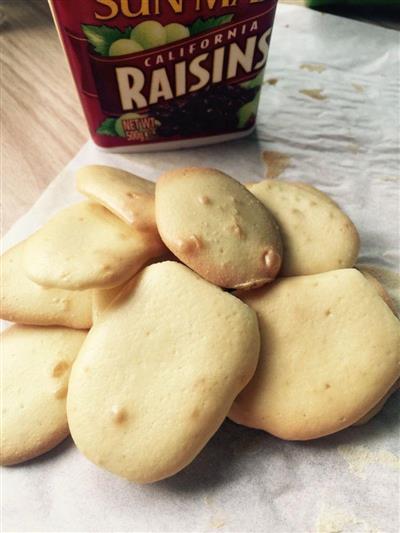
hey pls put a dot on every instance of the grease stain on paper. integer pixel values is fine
(276, 162)
(313, 67)
(315, 94)
(389, 178)
(216, 520)
(354, 148)
(358, 88)
(359, 457)
(334, 520)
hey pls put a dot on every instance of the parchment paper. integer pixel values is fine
(341, 134)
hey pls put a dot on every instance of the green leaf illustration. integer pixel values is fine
(202, 25)
(108, 128)
(102, 37)
(255, 82)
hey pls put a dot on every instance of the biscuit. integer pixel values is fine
(85, 246)
(102, 299)
(378, 407)
(25, 302)
(159, 372)
(330, 351)
(386, 282)
(317, 236)
(127, 196)
(36, 362)
(217, 228)
(313, 190)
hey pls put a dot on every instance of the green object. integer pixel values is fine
(107, 128)
(354, 3)
(201, 25)
(248, 111)
(102, 37)
(149, 34)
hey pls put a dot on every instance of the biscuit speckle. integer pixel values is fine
(190, 245)
(118, 414)
(272, 262)
(237, 230)
(204, 200)
(59, 369)
(61, 392)
(133, 195)
(195, 413)
(328, 312)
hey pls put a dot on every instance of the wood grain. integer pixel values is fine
(42, 125)
(42, 122)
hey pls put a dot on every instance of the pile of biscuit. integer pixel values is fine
(149, 313)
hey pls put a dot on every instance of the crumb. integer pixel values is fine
(271, 81)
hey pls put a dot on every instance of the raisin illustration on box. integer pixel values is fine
(166, 74)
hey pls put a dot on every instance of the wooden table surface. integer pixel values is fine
(42, 125)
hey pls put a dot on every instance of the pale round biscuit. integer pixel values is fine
(378, 407)
(213, 224)
(330, 351)
(36, 363)
(86, 246)
(25, 302)
(128, 196)
(317, 236)
(159, 372)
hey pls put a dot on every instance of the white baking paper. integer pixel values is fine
(341, 135)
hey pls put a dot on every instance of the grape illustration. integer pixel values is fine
(123, 47)
(149, 34)
(176, 32)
